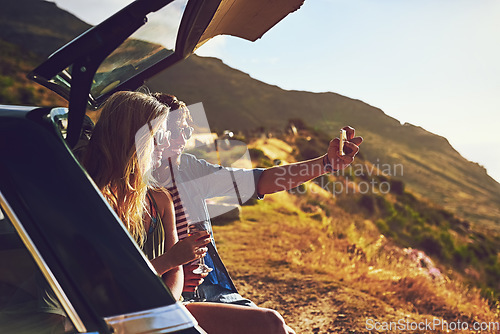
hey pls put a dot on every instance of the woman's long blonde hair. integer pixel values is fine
(119, 154)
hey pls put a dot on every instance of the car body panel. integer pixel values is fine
(167, 318)
(91, 256)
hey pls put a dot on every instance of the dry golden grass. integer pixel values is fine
(274, 149)
(332, 273)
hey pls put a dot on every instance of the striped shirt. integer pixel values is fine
(181, 217)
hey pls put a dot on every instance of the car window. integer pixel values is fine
(27, 303)
(150, 44)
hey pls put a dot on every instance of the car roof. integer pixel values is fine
(108, 57)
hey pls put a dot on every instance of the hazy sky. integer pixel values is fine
(435, 64)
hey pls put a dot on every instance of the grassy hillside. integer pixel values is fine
(332, 261)
(431, 167)
(328, 275)
(30, 30)
(38, 26)
(15, 88)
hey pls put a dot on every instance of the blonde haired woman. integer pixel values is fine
(127, 142)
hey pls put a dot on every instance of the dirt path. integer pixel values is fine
(319, 307)
(308, 306)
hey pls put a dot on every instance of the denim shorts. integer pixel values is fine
(217, 294)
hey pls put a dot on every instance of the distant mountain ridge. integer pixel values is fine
(234, 100)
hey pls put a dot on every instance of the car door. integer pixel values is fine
(64, 246)
(68, 264)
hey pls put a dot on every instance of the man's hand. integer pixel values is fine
(351, 148)
(192, 281)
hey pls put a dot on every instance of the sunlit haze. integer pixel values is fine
(434, 64)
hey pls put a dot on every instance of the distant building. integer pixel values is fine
(202, 139)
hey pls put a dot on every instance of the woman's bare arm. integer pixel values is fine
(177, 253)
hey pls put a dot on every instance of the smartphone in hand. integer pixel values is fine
(343, 139)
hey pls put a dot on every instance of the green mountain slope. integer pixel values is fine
(15, 88)
(426, 162)
(38, 26)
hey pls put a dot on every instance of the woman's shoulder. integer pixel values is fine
(162, 199)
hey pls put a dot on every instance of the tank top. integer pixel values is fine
(154, 245)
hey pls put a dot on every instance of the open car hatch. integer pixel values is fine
(123, 51)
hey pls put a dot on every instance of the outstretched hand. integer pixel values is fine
(190, 248)
(351, 148)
